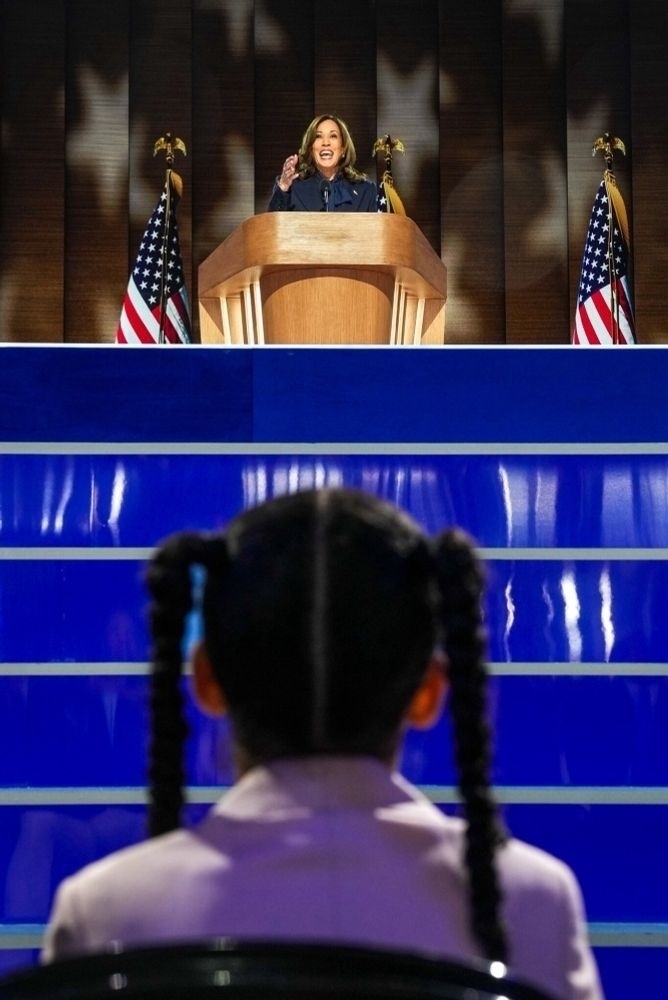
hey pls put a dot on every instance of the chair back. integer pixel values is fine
(257, 970)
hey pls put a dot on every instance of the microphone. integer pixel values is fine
(325, 188)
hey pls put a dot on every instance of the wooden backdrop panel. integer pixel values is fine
(97, 116)
(407, 84)
(345, 72)
(498, 103)
(32, 208)
(223, 134)
(649, 100)
(471, 164)
(534, 180)
(284, 87)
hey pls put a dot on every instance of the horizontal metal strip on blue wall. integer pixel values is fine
(440, 794)
(533, 668)
(601, 554)
(609, 935)
(521, 508)
(311, 447)
(21, 935)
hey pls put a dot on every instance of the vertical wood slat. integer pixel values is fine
(345, 72)
(648, 44)
(223, 134)
(471, 171)
(534, 176)
(32, 211)
(597, 99)
(407, 82)
(160, 101)
(284, 86)
(96, 94)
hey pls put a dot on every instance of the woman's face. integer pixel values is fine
(327, 148)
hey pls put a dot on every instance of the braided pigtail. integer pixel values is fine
(461, 582)
(170, 587)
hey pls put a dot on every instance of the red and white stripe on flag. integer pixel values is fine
(604, 318)
(140, 323)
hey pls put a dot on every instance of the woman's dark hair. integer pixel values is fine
(321, 610)
(306, 163)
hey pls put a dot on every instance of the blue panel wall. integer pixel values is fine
(555, 459)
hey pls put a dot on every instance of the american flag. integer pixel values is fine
(604, 314)
(147, 317)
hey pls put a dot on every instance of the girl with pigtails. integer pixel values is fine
(331, 623)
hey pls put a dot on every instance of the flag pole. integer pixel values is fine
(386, 145)
(170, 144)
(605, 144)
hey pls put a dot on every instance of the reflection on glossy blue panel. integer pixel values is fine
(538, 611)
(518, 501)
(581, 730)
(553, 611)
(112, 500)
(633, 973)
(561, 731)
(96, 731)
(72, 611)
(617, 852)
(11, 960)
(42, 845)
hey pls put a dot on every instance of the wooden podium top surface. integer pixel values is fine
(377, 241)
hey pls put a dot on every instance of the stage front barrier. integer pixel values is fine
(315, 278)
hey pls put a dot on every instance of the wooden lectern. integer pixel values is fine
(318, 278)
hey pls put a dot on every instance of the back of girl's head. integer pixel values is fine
(320, 627)
(321, 610)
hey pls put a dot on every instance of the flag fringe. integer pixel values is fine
(177, 181)
(395, 203)
(617, 202)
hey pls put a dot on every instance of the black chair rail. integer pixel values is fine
(258, 970)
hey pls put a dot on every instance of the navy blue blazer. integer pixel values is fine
(307, 196)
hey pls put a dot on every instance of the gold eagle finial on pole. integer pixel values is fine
(387, 145)
(605, 144)
(170, 144)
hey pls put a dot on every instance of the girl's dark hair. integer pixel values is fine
(321, 610)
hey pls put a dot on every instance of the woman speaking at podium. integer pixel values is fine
(322, 177)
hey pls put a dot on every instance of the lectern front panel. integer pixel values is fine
(326, 306)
